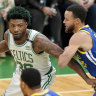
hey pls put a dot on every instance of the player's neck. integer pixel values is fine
(77, 27)
(35, 91)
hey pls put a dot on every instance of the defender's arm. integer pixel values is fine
(42, 43)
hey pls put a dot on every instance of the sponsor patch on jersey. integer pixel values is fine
(28, 47)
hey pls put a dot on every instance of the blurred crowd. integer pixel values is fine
(47, 17)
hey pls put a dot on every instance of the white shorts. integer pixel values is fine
(13, 88)
(48, 79)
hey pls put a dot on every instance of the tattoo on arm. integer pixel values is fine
(44, 44)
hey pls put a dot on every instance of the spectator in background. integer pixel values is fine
(85, 3)
(5, 5)
(30, 83)
(44, 12)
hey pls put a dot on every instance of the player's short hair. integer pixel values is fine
(31, 77)
(78, 11)
(18, 12)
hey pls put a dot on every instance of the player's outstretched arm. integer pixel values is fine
(79, 40)
(42, 43)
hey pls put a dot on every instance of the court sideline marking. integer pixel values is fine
(76, 91)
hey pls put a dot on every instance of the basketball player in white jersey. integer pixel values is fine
(29, 49)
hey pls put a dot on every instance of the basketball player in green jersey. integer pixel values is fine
(29, 49)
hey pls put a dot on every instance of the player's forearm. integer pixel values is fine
(74, 65)
(65, 57)
(63, 60)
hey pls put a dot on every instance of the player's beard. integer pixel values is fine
(22, 35)
(70, 29)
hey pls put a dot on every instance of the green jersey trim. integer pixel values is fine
(8, 39)
(51, 69)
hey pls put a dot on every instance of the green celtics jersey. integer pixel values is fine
(25, 56)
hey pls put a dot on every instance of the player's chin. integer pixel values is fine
(17, 38)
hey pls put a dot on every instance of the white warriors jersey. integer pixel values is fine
(25, 56)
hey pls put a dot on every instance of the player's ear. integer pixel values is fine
(23, 85)
(78, 20)
(26, 24)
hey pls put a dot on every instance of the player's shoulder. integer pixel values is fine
(81, 35)
(6, 33)
(37, 34)
(41, 37)
(78, 38)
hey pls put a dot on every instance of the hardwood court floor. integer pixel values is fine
(66, 85)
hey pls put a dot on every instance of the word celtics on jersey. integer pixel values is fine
(24, 57)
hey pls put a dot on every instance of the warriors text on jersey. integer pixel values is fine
(88, 58)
